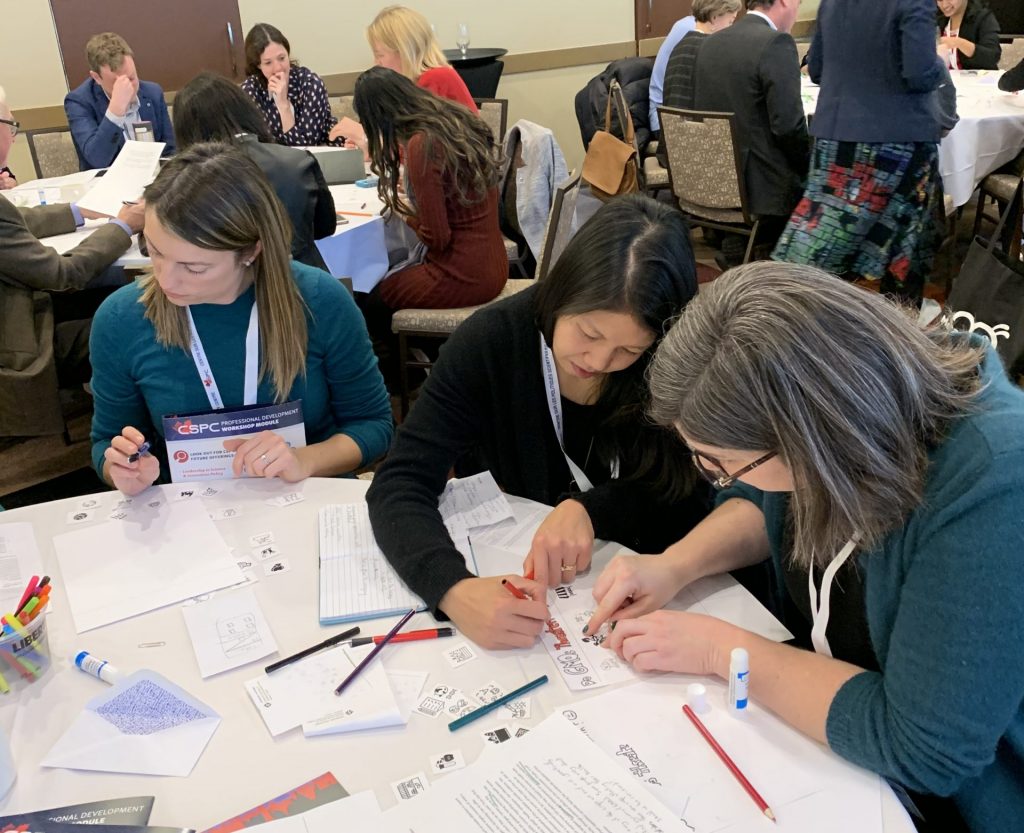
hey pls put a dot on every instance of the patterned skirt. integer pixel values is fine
(866, 212)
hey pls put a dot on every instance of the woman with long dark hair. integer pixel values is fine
(546, 390)
(209, 108)
(292, 98)
(451, 195)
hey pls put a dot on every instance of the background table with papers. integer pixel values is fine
(243, 765)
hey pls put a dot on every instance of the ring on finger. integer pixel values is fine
(568, 568)
(263, 459)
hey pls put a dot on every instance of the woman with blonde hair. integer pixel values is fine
(226, 320)
(402, 40)
(841, 433)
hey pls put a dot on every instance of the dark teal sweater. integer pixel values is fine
(944, 602)
(136, 381)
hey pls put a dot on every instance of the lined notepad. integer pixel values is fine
(356, 581)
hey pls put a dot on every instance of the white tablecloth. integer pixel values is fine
(990, 132)
(243, 766)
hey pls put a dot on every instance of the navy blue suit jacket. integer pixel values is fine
(97, 139)
(878, 70)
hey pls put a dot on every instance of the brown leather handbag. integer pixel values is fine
(611, 166)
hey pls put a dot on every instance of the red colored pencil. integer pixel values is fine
(515, 591)
(762, 805)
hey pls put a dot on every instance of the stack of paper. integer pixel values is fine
(302, 694)
(158, 554)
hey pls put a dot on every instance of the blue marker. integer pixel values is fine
(143, 449)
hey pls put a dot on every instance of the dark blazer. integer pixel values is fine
(878, 71)
(97, 139)
(678, 88)
(634, 76)
(29, 272)
(1013, 79)
(981, 28)
(299, 183)
(753, 71)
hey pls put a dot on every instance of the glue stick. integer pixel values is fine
(98, 668)
(739, 678)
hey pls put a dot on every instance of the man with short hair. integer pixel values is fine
(105, 109)
(8, 130)
(42, 347)
(751, 69)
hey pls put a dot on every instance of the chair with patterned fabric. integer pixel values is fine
(494, 111)
(562, 225)
(341, 106)
(704, 171)
(435, 324)
(53, 151)
(653, 177)
(1012, 54)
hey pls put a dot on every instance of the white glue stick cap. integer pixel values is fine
(697, 697)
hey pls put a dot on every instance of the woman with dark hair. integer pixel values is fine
(212, 109)
(546, 390)
(293, 99)
(225, 319)
(852, 448)
(968, 34)
(451, 195)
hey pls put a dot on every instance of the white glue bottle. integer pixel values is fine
(98, 668)
(739, 679)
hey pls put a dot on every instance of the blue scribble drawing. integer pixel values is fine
(145, 708)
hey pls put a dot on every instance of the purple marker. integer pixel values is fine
(143, 449)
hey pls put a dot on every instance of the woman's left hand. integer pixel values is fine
(562, 545)
(668, 640)
(266, 455)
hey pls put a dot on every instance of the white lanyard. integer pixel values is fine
(547, 363)
(252, 361)
(820, 614)
(952, 61)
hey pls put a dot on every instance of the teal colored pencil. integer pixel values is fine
(497, 704)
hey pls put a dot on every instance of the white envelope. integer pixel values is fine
(144, 725)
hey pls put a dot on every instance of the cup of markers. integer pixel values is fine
(24, 649)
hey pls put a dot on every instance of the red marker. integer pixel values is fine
(515, 591)
(411, 636)
(32, 585)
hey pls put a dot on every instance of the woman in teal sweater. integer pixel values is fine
(224, 296)
(837, 429)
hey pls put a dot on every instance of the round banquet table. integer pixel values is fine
(243, 766)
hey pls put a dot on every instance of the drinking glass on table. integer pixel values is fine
(462, 38)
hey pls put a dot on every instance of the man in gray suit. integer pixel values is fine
(37, 350)
(751, 69)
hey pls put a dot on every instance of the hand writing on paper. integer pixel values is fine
(129, 477)
(121, 95)
(670, 640)
(134, 215)
(562, 546)
(266, 455)
(491, 616)
(630, 586)
(277, 86)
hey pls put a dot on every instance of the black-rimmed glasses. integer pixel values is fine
(13, 125)
(717, 476)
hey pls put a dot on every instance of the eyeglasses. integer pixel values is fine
(13, 124)
(713, 472)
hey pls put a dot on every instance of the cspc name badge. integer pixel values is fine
(195, 442)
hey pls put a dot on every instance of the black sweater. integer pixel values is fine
(483, 407)
(1013, 79)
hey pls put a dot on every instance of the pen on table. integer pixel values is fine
(369, 657)
(327, 643)
(355, 213)
(515, 591)
(762, 805)
(496, 704)
(408, 636)
(143, 449)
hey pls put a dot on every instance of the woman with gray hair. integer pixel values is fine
(8, 130)
(839, 431)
